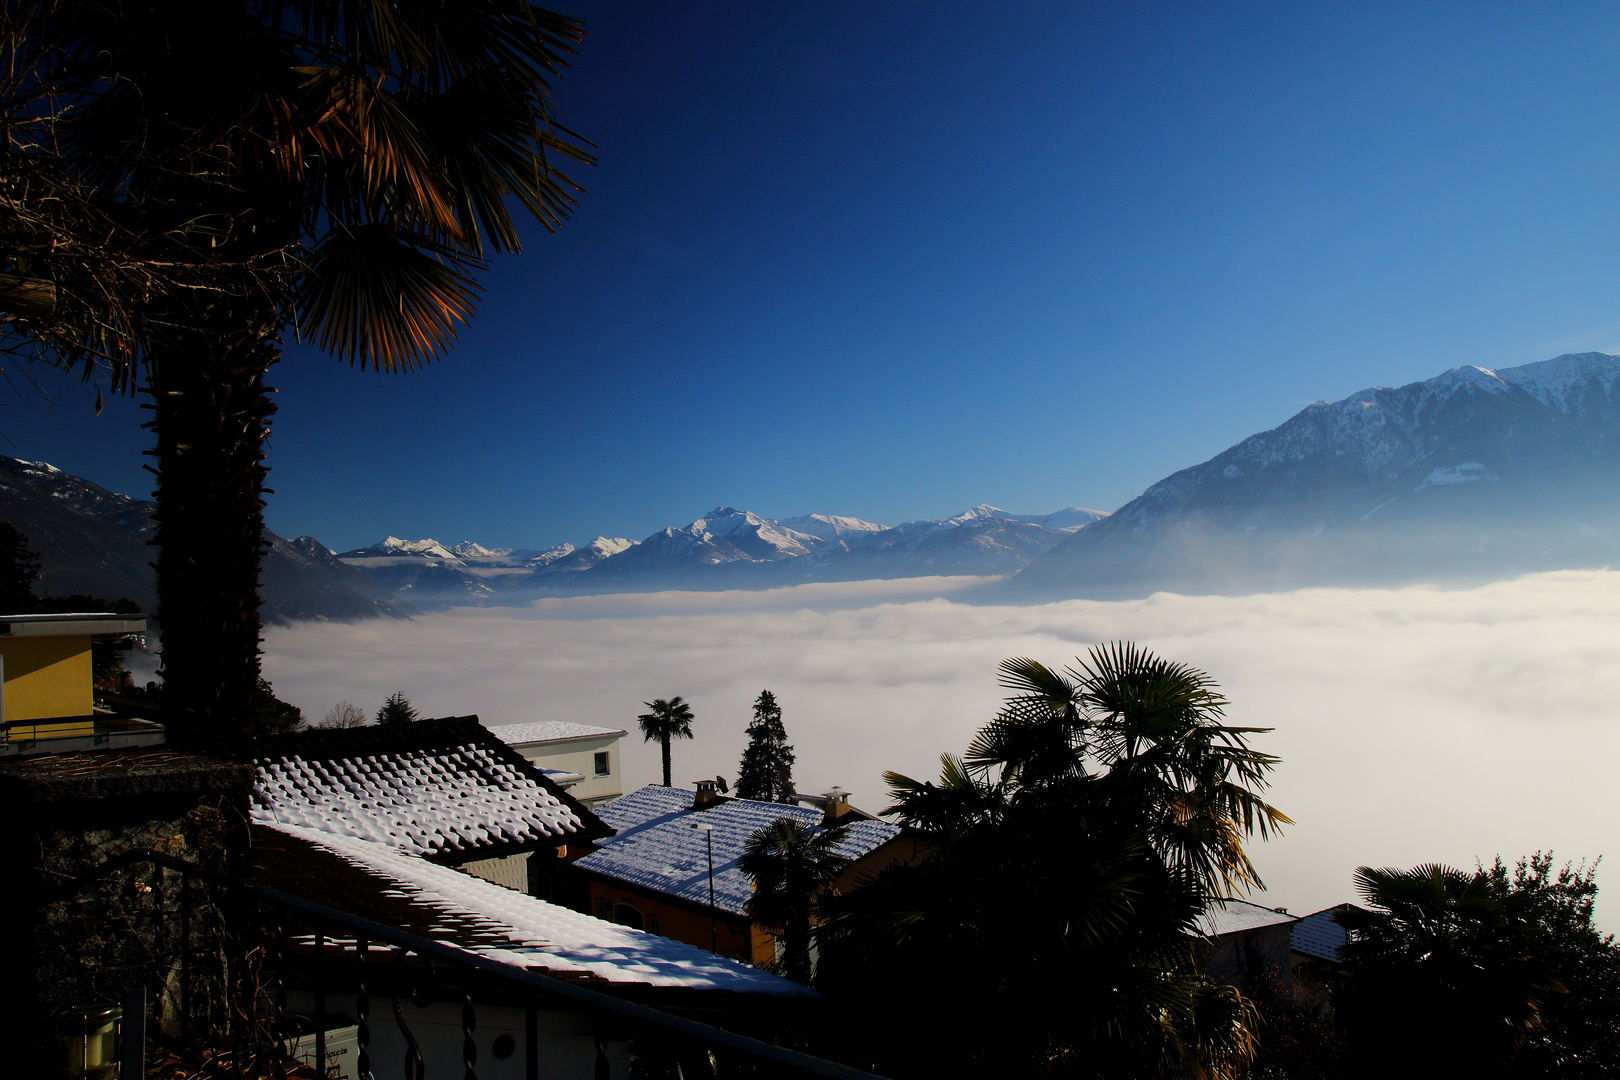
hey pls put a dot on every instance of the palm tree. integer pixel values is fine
(793, 867)
(1449, 969)
(1151, 733)
(194, 178)
(1071, 852)
(666, 720)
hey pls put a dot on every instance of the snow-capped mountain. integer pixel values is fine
(393, 547)
(1069, 519)
(469, 550)
(1473, 473)
(829, 526)
(573, 560)
(95, 542)
(726, 548)
(723, 535)
(983, 540)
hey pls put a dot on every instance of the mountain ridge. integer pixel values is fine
(1471, 474)
(727, 548)
(96, 542)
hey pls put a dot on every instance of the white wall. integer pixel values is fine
(578, 755)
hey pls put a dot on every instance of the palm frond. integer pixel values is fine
(376, 297)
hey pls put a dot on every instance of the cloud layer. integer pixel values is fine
(1414, 724)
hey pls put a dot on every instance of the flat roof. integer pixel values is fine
(550, 731)
(71, 623)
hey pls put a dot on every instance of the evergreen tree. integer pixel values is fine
(766, 770)
(19, 569)
(396, 710)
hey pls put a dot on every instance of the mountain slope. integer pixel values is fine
(1470, 475)
(95, 542)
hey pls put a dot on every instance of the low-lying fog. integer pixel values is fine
(1414, 724)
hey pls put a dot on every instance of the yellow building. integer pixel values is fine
(46, 699)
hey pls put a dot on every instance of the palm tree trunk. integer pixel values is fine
(211, 418)
(664, 744)
(796, 949)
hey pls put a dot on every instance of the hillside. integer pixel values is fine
(1471, 475)
(96, 542)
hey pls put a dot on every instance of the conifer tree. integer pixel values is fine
(19, 569)
(766, 770)
(396, 710)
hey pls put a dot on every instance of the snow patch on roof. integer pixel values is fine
(657, 849)
(549, 731)
(457, 800)
(545, 936)
(1320, 936)
(1236, 916)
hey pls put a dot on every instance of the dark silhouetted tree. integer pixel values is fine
(345, 714)
(666, 720)
(271, 715)
(766, 769)
(1069, 857)
(19, 569)
(396, 710)
(793, 867)
(1488, 972)
(185, 180)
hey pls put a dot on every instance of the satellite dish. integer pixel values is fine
(724, 787)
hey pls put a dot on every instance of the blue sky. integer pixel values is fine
(894, 259)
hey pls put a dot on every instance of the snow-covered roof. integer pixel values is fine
(376, 881)
(1236, 916)
(443, 788)
(549, 731)
(657, 849)
(1320, 936)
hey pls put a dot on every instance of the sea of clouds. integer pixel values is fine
(1414, 724)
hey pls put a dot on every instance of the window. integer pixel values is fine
(604, 910)
(602, 763)
(655, 925)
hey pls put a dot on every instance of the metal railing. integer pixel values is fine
(334, 939)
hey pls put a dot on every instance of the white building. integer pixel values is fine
(580, 758)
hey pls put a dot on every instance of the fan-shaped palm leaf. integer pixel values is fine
(375, 297)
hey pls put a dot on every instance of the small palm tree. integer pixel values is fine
(793, 867)
(1443, 965)
(671, 719)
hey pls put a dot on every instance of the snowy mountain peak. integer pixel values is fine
(1577, 384)
(828, 526)
(608, 546)
(724, 520)
(469, 550)
(393, 545)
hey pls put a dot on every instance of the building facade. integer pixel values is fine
(581, 758)
(655, 872)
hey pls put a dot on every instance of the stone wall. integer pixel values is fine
(82, 924)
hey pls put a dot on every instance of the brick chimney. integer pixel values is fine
(835, 807)
(708, 793)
